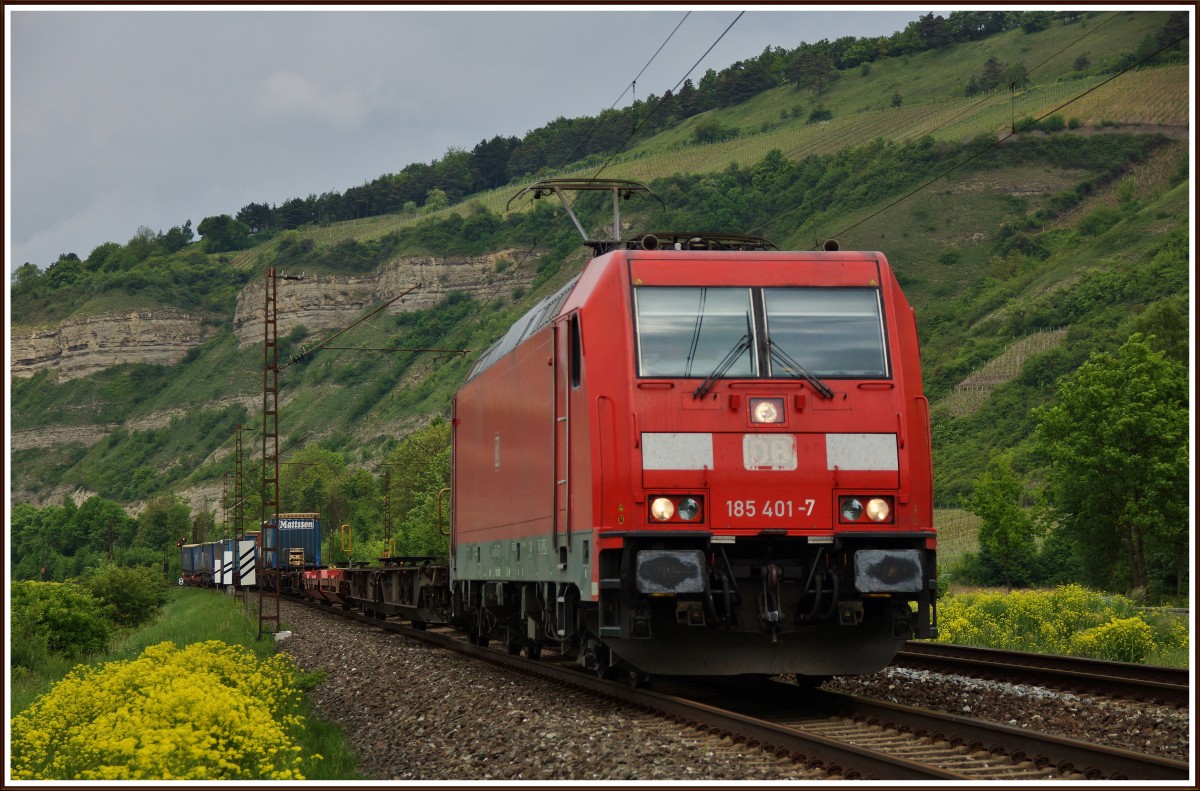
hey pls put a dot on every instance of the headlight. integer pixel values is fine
(862, 509)
(676, 508)
(766, 410)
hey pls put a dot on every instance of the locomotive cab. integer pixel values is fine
(782, 516)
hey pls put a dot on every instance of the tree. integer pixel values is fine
(1008, 531)
(812, 70)
(256, 216)
(1165, 325)
(163, 522)
(223, 234)
(66, 271)
(27, 276)
(420, 468)
(143, 244)
(1015, 76)
(177, 238)
(993, 73)
(107, 257)
(1036, 21)
(436, 199)
(933, 31)
(1116, 445)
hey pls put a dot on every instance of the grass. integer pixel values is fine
(195, 615)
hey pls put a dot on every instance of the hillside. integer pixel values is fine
(1076, 231)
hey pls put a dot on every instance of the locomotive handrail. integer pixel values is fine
(441, 493)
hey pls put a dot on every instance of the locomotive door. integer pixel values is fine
(565, 364)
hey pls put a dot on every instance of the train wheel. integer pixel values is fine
(512, 647)
(602, 665)
(420, 625)
(484, 623)
(638, 679)
(533, 651)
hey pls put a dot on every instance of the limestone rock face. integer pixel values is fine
(329, 302)
(87, 344)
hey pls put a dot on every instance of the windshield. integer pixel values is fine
(829, 331)
(689, 332)
(711, 333)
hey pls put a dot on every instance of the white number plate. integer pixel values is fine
(769, 509)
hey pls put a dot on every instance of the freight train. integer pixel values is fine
(700, 456)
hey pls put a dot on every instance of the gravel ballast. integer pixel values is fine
(415, 712)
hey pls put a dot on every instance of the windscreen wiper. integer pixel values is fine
(799, 370)
(726, 363)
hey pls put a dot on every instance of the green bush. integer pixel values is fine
(72, 622)
(1119, 640)
(1054, 123)
(1099, 221)
(713, 132)
(131, 595)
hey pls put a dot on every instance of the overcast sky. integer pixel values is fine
(121, 118)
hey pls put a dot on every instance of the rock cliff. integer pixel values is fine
(324, 301)
(83, 345)
(86, 344)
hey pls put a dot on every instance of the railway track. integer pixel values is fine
(846, 736)
(1145, 683)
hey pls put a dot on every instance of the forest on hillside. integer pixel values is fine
(1099, 260)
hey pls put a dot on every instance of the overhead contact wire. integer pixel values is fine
(599, 122)
(659, 104)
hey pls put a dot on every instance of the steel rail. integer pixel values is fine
(1097, 761)
(1167, 685)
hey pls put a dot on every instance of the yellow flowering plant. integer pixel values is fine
(1067, 620)
(209, 711)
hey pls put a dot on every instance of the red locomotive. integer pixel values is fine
(700, 456)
